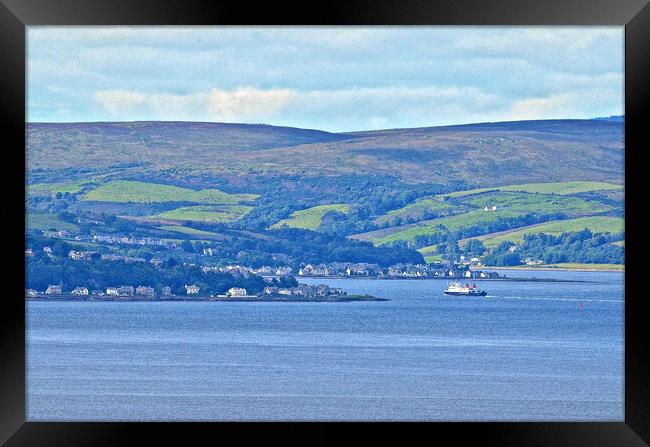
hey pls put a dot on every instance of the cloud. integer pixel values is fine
(333, 78)
(248, 103)
(129, 105)
(375, 107)
(575, 104)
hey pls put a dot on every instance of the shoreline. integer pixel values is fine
(251, 299)
(505, 278)
(558, 269)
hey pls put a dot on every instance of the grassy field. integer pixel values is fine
(53, 188)
(467, 192)
(433, 258)
(535, 203)
(420, 208)
(206, 213)
(452, 223)
(428, 250)
(190, 231)
(429, 254)
(310, 218)
(508, 204)
(596, 224)
(141, 192)
(45, 221)
(560, 188)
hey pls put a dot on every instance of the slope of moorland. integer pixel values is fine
(488, 154)
(67, 145)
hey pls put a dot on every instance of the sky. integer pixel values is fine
(329, 78)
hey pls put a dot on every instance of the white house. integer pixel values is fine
(236, 291)
(145, 291)
(192, 289)
(53, 290)
(111, 291)
(80, 291)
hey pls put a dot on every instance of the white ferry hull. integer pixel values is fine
(481, 293)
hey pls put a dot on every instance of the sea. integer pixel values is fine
(528, 351)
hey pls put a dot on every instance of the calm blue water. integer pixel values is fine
(527, 351)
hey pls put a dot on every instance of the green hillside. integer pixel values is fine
(44, 221)
(53, 188)
(596, 224)
(535, 203)
(205, 213)
(508, 205)
(133, 191)
(190, 231)
(410, 232)
(421, 209)
(562, 188)
(310, 218)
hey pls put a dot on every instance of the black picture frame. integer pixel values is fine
(15, 15)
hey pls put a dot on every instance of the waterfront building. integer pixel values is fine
(54, 290)
(80, 291)
(125, 290)
(145, 291)
(236, 291)
(192, 289)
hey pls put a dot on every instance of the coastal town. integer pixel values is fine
(465, 269)
(192, 291)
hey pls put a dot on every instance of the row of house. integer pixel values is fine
(46, 250)
(89, 255)
(238, 269)
(147, 291)
(131, 240)
(341, 269)
(305, 290)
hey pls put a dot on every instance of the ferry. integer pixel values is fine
(456, 289)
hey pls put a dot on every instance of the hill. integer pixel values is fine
(68, 145)
(488, 154)
(596, 224)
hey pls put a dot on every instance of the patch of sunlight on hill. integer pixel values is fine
(310, 218)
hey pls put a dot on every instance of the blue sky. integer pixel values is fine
(329, 78)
